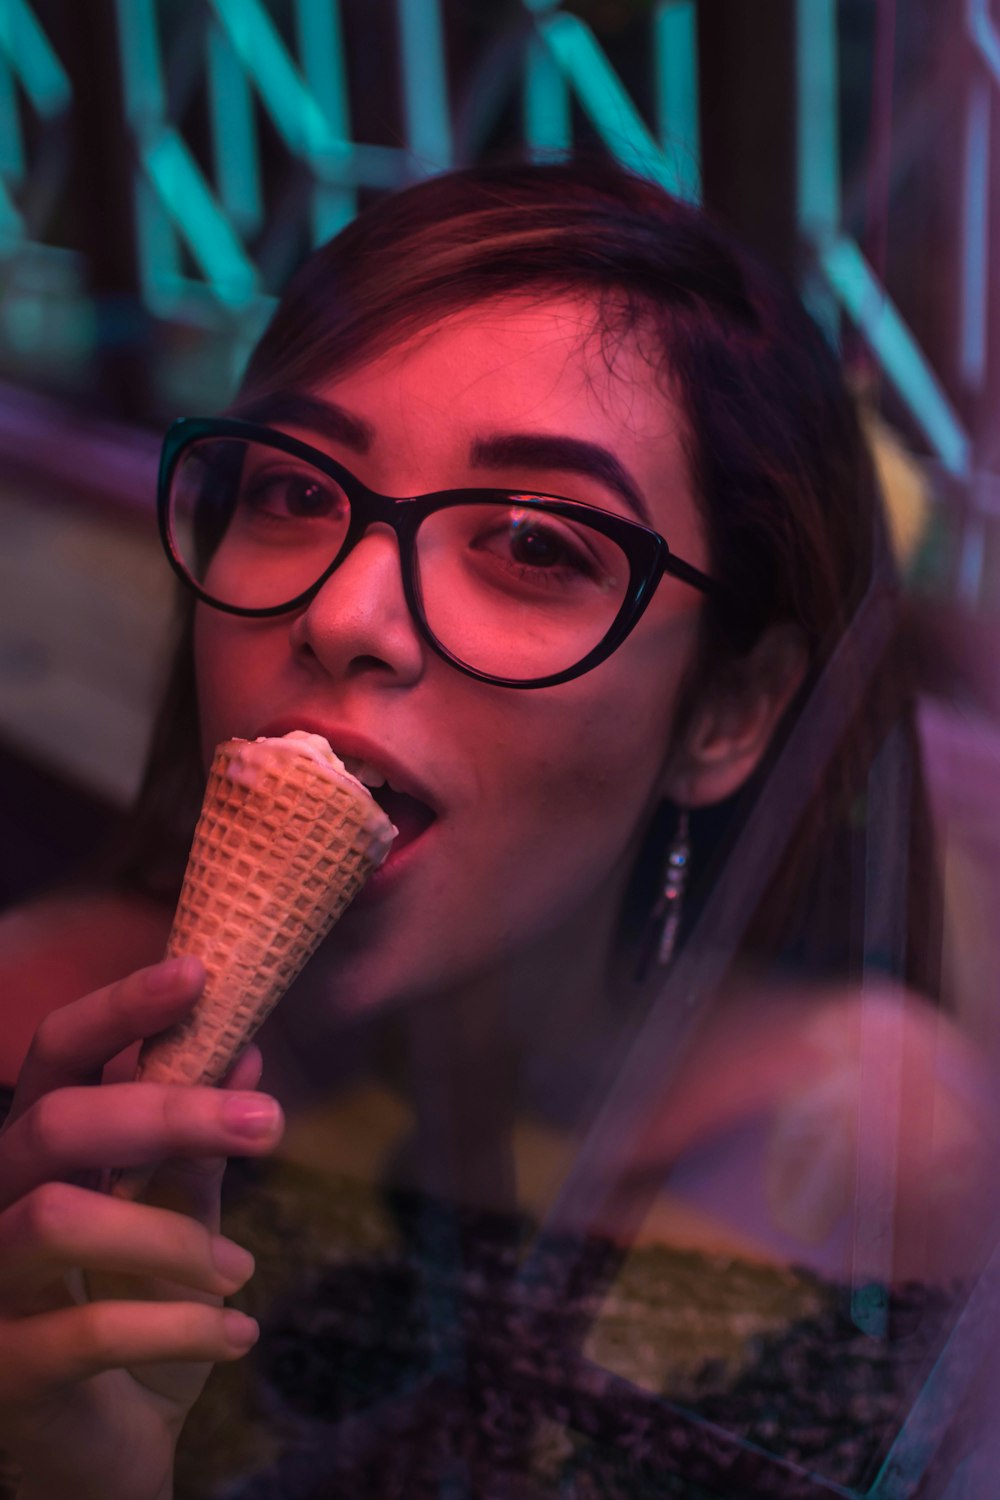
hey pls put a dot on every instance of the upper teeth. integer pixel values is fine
(365, 773)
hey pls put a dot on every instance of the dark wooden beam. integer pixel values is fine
(748, 121)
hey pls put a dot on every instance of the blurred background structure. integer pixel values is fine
(165, 164)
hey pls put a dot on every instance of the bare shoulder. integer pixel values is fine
(54, 950)
(816, 1120)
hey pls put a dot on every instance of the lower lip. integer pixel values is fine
(391, 871)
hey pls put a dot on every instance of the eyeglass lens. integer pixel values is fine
(506, 588)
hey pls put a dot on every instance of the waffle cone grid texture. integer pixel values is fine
(271, 869)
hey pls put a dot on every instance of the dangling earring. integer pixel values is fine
(670, 906)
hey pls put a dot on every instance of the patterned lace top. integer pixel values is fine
(410, 1348)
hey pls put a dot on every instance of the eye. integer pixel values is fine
(539, 546)
(292, 494)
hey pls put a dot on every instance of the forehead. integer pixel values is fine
(561, 362)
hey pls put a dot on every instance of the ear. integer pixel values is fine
(732, 727)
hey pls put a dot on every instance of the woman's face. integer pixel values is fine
(540, 797)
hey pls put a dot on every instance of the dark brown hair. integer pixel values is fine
(778, 462)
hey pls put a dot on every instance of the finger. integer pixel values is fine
(192, 1186)
(246, 1070)
(78, 1130)
(50, 1350)
(73, 1044)
(184, 1185)
(59, 1227)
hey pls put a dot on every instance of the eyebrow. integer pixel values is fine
(502, 450)
(569, 455)
(324, 419)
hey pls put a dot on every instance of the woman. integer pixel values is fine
(529, 332)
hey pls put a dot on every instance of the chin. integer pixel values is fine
(348, 981)
(359, 972)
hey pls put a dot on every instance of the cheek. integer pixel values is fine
(558, 832)
(624, 728)
(580, 766)
(210, 631)
(616, 750)
(229, 666)
(605, 779)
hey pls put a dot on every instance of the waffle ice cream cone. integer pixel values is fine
(286, 839)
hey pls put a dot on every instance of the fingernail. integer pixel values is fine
(172, 974)
(232, 1262)
(251, 1115)
(241, 1331)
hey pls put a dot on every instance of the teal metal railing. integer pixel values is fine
(211, 244)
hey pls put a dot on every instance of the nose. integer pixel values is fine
(359, 620)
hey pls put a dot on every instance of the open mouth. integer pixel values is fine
(376, 771)
(411, 816)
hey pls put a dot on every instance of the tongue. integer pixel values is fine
(410, 816)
